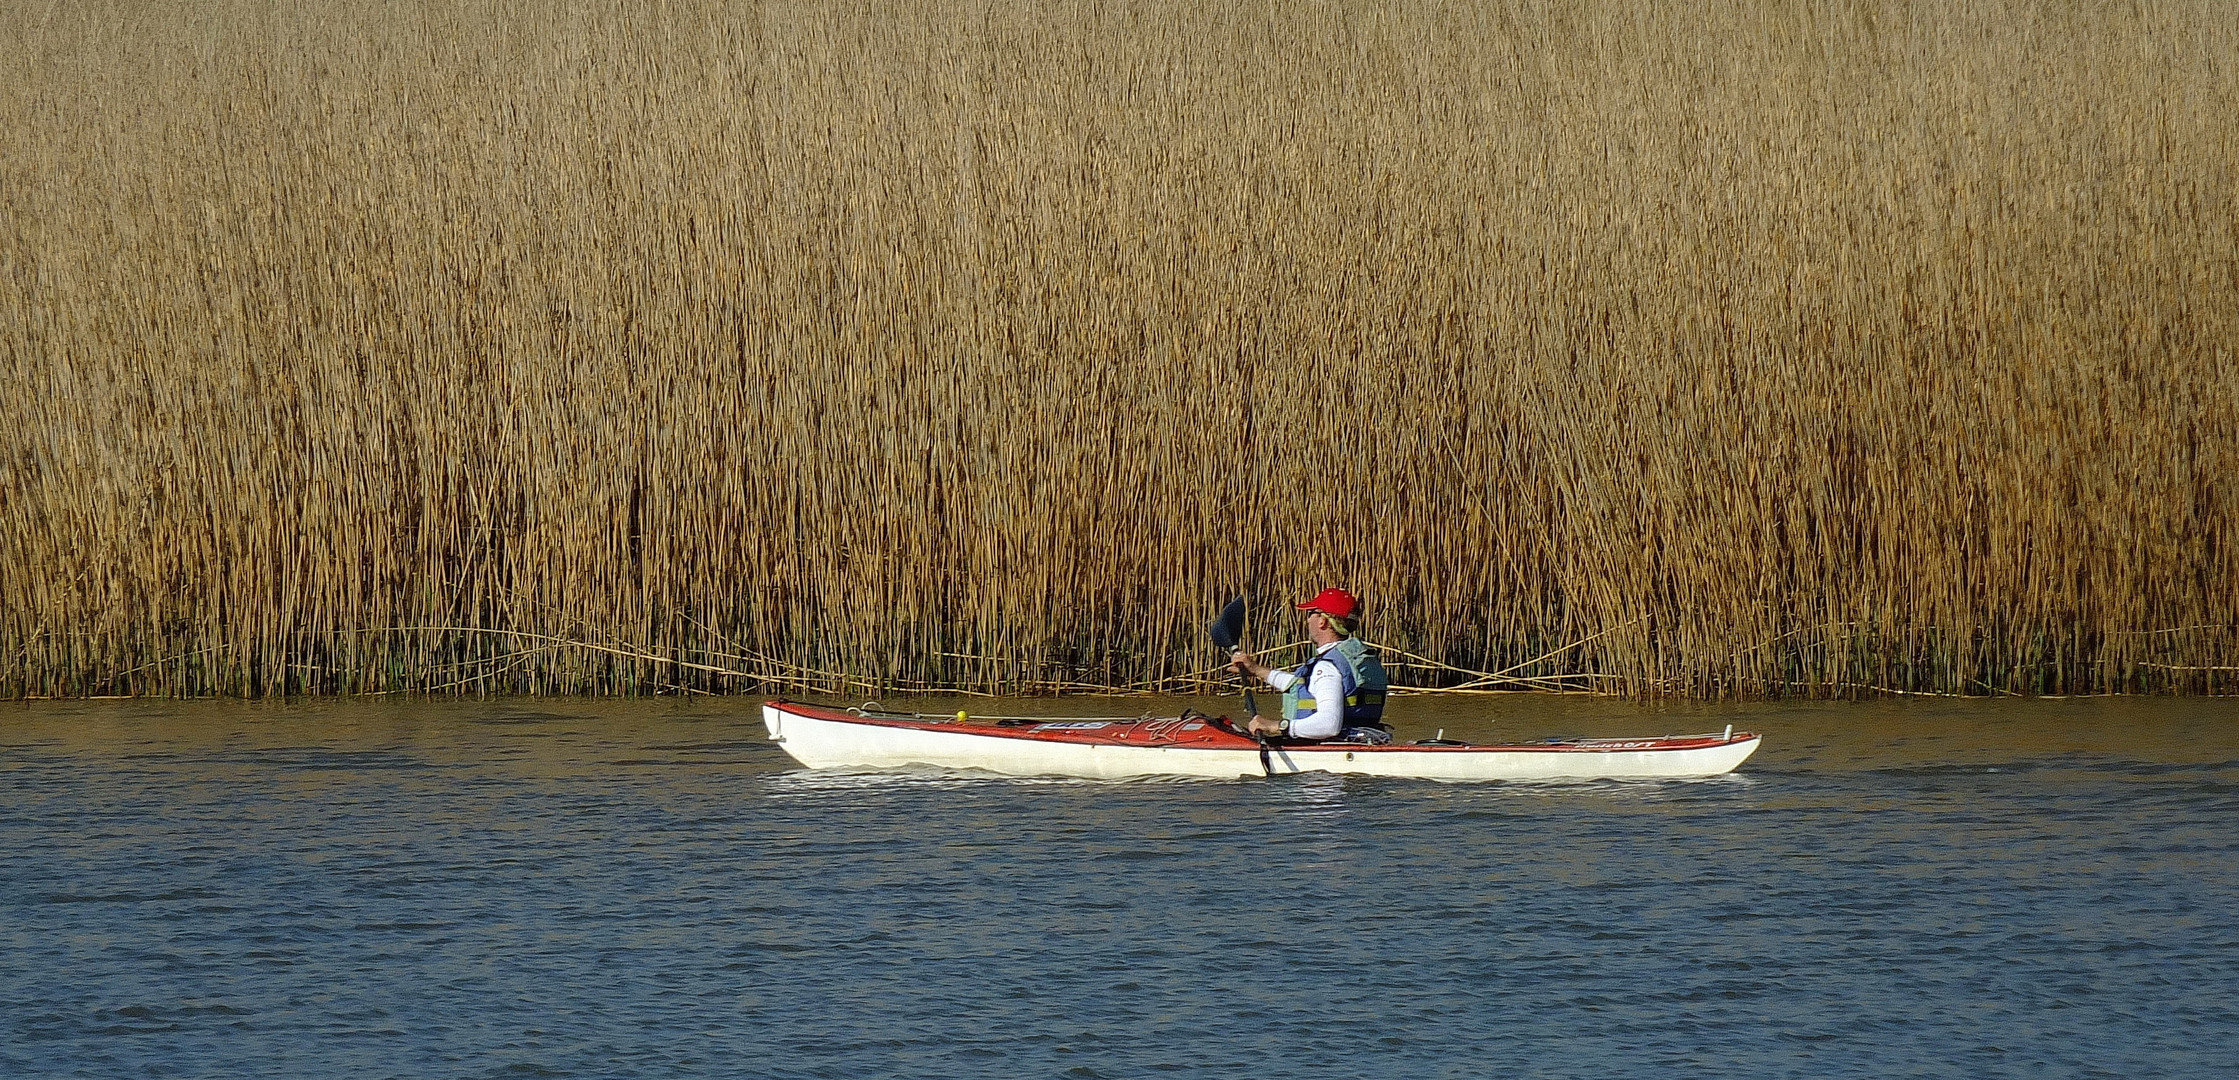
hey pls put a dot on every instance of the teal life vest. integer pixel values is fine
(1361, 674)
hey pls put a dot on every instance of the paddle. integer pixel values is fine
(1227, 632)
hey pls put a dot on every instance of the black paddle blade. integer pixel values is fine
(1229, 628)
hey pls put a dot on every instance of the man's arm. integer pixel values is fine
(1248, 664)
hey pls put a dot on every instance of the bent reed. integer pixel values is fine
(1707, 347)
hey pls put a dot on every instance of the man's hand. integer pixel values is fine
(1261, 725)
(1244, 663)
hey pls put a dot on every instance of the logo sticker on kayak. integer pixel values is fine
(1085, 725)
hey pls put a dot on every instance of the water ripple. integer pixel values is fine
(642, 889)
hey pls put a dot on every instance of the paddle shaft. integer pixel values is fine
(1251, 710)
(1228, 633)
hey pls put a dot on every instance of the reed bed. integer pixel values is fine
(1706, 347)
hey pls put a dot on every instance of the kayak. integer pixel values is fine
(1209, 746)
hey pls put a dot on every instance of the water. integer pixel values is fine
(437, 889)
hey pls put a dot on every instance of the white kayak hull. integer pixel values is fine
(831, 739)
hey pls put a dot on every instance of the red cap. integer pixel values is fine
(1336, 602)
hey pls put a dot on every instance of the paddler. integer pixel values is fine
(1338, 693)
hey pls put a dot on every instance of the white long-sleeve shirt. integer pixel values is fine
(1327, 688)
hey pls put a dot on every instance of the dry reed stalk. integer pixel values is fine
(1758, 347)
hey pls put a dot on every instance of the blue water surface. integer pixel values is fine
(624, 889)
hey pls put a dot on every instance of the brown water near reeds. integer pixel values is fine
(648, 887)
(1713, 347)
